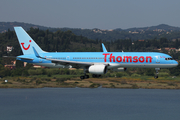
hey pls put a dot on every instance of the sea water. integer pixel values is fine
(89, 104)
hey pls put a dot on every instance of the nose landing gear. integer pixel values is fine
(156, 75)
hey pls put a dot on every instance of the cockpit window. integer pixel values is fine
(168, 58)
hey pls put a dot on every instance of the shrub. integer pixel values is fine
(163, 74)
(108, 75)
(176, 73)
(135, 75)
(119, 74)
(25, 73)
(17, 72)
(47, 79)
(150, 72)
(61, 80)
(49, 74)
(172, 84)
(72, 72)
(49, 71)
(125, 74)
(35, 72)
(43, 71)
(135, 86)
(123, 82)
(64, 71)
(165, 70)
(112, 85)
(6, 83)
(93, 85)
(38, 82)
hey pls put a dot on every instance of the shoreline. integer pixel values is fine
(120, 83)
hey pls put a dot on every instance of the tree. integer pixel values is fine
(149, 72)
(19, 64)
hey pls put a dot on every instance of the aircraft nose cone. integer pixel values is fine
(175, 63)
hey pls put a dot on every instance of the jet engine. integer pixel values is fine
(98, 69)
(119, 69)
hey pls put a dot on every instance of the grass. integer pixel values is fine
(40, 81)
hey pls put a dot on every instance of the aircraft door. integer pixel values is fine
(157, 59)
(68, 58)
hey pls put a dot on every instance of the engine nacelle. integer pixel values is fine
(119, 69)
(98, 69)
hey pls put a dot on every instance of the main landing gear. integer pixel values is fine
(84, 77)
(156, 75)
(96, 76)
(87, 76)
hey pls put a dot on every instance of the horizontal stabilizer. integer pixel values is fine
(18, 57)
(9, 56)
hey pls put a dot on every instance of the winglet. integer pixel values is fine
(104, 48)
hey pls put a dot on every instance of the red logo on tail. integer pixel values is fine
(27, 47)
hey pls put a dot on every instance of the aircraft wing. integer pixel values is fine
(25, 58)
(75, 64)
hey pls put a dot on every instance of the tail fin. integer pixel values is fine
(26, 42)
(104, 48)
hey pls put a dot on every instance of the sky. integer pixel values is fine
(89, 14)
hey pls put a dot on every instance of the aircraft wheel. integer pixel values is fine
(96, 76)
(82, 77)
(93, 75)
(156, 76)
(86, 76)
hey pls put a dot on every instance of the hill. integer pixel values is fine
(4, 26)
(144, 33)
(162, 27)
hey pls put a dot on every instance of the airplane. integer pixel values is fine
(96, 63)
